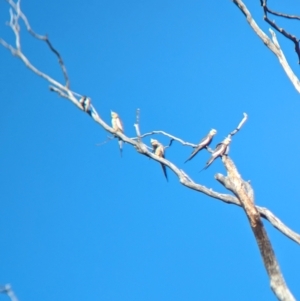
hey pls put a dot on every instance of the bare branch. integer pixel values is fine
(59, 92)
(282, 14)
(137, 125)
(240, 125)
(289, 36)
(267, 41)
(45, 38)
(167, 135)
(170, 143)
(236, 184)
(6, 289)
(104, 142)
(264, 212)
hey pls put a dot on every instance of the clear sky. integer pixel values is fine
(80, 223)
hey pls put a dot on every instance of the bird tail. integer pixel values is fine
(165, 171)
(190, 157)
(120, 146)
(207, 163)
(193, 154)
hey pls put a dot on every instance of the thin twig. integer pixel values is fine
(6, 289)
(137, 125)
(104, 142)
(170, 143)
(236, 184)
(282, 14)
(240, 125)
(167, 135)
(289, 36)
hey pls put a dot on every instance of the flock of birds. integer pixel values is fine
(158, 149)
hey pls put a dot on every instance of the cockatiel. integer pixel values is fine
(159, 150)
(203, 143)
(118, 127)
(221, 149)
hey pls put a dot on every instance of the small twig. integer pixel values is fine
(186, 176)
(143, 150)
(240, 125)
(58, 91)
(282, 14)
(137, 125)
(6, 289)
(170, 143)
(106, 141)
(267, 41)
(167, 135)
(210, 150)
(236, 184)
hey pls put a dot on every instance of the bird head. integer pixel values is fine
(227, 140)
(114, 114)
(154, 141)
(213, 132)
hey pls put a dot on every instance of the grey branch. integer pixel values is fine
(6, 289)
(104, 142)
(240, 125)
(236, 185)
(167, 135)
(15, 26)
(19, 13)
(281, 30)
(264, 212)
(137, 125)
(270, 44)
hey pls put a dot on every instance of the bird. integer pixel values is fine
(159, 150)
(85, 103)
(203, 143)
(118, 127)
(220, 150)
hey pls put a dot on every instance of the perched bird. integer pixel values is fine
(159, 150)
(221, 149)
(203, 143)
(85, 102)
(117, 126)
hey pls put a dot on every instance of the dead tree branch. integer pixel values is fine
(240, 125)
(137, 125)
(289, 36)
(167, 135)
(6, 289)
(236, 185)
(273, 44)
(17, 8)
(287, 16)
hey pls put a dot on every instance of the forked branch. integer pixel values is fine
(271, 44)
(244, 193)
(6, 289)
(288, 35)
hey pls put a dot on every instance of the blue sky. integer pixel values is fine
(79, 222)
